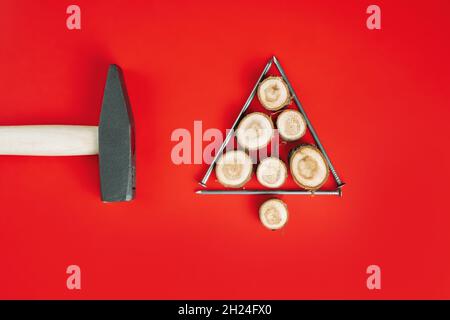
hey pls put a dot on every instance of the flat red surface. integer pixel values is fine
(379, 100)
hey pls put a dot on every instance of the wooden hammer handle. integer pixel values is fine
(48, 140)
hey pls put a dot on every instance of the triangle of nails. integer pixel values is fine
(339, 183)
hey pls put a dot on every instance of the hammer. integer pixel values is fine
(112, 140)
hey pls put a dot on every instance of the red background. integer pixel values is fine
(378, 100)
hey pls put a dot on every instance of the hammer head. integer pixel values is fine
(116, 141)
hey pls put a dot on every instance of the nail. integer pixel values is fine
(310, 127)
(337, 192)
(236, 122)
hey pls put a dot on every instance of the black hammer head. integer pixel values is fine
(116, 141)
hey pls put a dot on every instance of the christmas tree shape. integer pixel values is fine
(336, 190)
